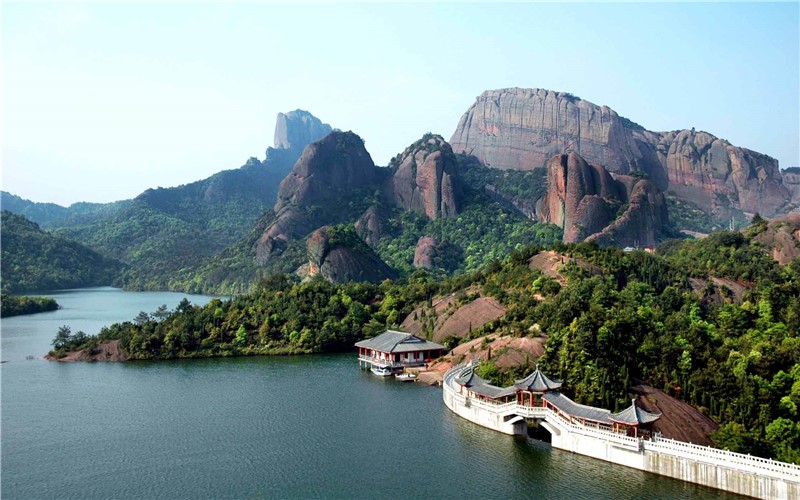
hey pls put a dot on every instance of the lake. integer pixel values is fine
(267, 427)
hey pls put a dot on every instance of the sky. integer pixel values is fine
(101, 101)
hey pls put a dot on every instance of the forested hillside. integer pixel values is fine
(616, 318)
(50, 215)
(33, 259)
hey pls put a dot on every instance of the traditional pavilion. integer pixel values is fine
(397, 350)
(632, 417)
(538, 390)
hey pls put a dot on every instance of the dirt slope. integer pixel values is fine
(678, 420)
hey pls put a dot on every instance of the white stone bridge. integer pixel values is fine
(572, 431)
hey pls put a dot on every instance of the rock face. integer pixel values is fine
(425, 180)
(523, 128)
(346, 260)
(368, 226)
(329, 171)
(295, 129)
(791, 179)
(586, 200)
(643, 221)
(781, 238)
(425, 253)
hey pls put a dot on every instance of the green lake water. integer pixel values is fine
(268, 427)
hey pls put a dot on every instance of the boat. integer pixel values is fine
(405, 377)
(381, 371)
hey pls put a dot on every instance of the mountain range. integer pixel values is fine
(524, 165)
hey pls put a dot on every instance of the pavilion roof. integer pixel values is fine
(468, 378)
(578, 410)
(633, 415)
(538, 382)
(398, 342)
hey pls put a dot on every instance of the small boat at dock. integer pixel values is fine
(381, 371)
(405, 377)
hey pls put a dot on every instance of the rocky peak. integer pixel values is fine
(523, 128)
(329, 172)
(590, 204)
(298, 128)
(328, 169)
(425, 178)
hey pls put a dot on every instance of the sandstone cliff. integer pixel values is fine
(425, 179)
(425, 252)
(590, 204)
(329, 173)
(328, 170)
(523, 128)
(791, 179)
(340, 256)
(780, 237)
(368, 226)
(298, 128)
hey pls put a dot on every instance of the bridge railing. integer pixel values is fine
(724, 458)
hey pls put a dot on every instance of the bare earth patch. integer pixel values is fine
(506, 352)
(679, 420)
(550, 264)
(106, 351)
(451, 321)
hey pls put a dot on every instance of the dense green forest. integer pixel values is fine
(33, 259)
(12, 305)
(620, 318)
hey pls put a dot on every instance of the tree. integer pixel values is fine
(62, 337)
(141, 318)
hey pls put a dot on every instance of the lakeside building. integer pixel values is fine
(537, 390)
(397, 350)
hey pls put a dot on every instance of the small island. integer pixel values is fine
(13, 305)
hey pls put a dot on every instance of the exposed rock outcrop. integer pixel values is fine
(296, 129)
(342, 257)
(523, 128)
(642, 223)
(425, 179)
(425, 253)
(329, 171)
(585, 201)
(368, 226)
(781, 238)
(791, 180)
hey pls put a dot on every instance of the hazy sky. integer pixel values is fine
(101, 101)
